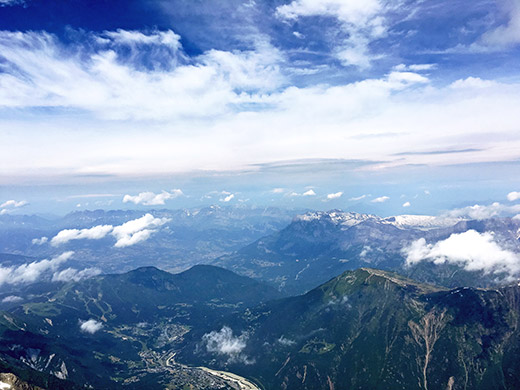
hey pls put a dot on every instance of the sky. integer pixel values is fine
(388, 107)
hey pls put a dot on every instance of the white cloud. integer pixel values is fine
(407, 204)
(199, 104)
(14, 203)
(4, 3)
(137, 230)
(97, 78)
(480, 212)
(93, 233)
(152, 199)
(224, 343)
(285, 341)
(335, 195)
(309, 193)
(32, 272)
(472, 250)
(39, 241)
(278, 190)
(362, 21)
(505, 35)
(228, 198)
(71, 274)
(12, 299)
(90, 326)
(356, 198)
(414, 67)
(381, 199)
(512, 196)
(127, 234)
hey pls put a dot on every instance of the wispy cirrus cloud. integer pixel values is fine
(362, 23)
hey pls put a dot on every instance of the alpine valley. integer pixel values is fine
(331, 300)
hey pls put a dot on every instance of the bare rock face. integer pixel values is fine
(10, 381)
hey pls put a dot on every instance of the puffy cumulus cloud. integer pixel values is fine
(40, 241)
(480, 212)
(512, 196)
(335, 195)
(309, 193)
(90, 326)
(380, 199)
(227, 198)
(407, 204)
(127, 234)
(73, 275)
(137, 230)
(93, 233)
(472, 250)
(14, 203)
(224, 343)
(32, 272)
(362, 22)
(152, 199)
(12, 299)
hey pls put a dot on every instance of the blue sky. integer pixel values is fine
(412, 102)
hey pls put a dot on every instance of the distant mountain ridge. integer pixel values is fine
(316, 246)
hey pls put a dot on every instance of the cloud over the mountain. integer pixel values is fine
(93, 233)
(127, 234)
(14, 203)
(39, 241)
(335, 195)
(472, 250)
(380, 199)
(137, 230)
(32, 272)
(480, 212)
(72, 274)
(224, 343)
(90, 326)
(512, 196)
(12, 299)
(227, 198)
(152, 199)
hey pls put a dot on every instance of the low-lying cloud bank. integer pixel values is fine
(481, 212)
(44, 270)
(472, 250)
(127, 234)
